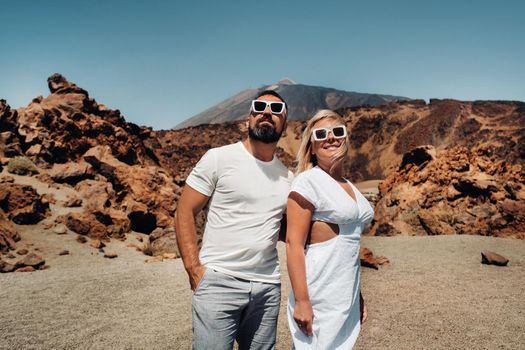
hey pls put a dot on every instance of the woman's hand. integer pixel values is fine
(304, 316)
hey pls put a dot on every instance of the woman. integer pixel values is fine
(326, 214)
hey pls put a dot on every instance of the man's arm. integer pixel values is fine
(189, 205)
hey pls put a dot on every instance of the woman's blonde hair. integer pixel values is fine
(305, 158)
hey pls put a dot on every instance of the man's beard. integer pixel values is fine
(265, 134)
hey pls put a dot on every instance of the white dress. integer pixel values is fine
(332, 267)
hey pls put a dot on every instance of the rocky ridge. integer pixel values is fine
(456, 191)
(100, 177)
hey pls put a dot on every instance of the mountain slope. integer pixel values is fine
(303, 102)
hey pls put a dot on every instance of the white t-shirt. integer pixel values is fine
(247, 202)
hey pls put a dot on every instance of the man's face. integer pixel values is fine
(266, 126)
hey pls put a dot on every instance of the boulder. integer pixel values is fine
(6, 267)
(110, 255)
(8, 234)
(367, 258)
(71, 172)
(23, 205)
(32, 260)
(491, 258)
(166, 243)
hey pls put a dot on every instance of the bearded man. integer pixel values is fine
(235, 277)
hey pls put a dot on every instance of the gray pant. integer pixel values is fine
(226, 309)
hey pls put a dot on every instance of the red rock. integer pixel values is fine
(25, 269)
(491, 258)
(64, 252)
(8, 233)
(165, 243)
(6, 267)
(78, 222)
(60, 230)
(31, 259)
(81, 239)
(22, 252)
(367, 258)
(23, 204)
(155, 259)
(73, 203)
(382, 260)
(97, 244)
(110, 255)
(136, 246)
(71, 172)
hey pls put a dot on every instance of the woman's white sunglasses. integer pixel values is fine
(321, 134)
(259, 106)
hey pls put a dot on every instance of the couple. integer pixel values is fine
(235, 276)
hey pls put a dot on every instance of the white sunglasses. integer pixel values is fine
(321, 134)
(259, 106)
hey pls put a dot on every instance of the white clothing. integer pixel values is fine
(332, 267)
(247, 202)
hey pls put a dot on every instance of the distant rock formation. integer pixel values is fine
(303, 101)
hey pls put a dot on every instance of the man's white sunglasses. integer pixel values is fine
(259, 106)
(321, 134)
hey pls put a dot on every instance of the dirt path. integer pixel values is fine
(434, 295)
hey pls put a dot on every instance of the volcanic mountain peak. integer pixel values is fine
(283, 81)
(303, 101)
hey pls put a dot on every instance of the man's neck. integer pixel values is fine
(260, 150)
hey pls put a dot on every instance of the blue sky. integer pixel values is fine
(161, 62)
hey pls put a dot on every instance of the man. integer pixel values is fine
(235, 277)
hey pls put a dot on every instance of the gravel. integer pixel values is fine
(434, 294)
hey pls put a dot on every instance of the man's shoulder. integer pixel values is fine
(226, 149)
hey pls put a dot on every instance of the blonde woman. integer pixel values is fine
(326, 215)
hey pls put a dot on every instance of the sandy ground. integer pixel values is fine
(435, 294)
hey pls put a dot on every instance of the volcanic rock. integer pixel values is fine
(491, 258)
(367, 258)
(71, 172)
(60, 230)
(23, 205)
(6, 267)
(455, 198)
(419, 155)
(166, 243)
(110, 255)
(8, 234)
(81, 239)
(97, 244)
(73, 203)
(31, 259)
(25, 269)
(22, 252)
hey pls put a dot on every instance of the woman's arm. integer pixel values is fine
(299, 213)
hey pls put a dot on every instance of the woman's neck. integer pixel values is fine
(335, 171)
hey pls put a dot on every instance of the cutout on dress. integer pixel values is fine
(321, 231)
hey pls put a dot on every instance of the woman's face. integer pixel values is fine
(326, 150)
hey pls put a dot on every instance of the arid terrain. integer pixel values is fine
(88, 253)
(434, 294)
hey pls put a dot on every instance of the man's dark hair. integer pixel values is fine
(273, 93)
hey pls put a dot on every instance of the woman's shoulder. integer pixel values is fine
(305, 177)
